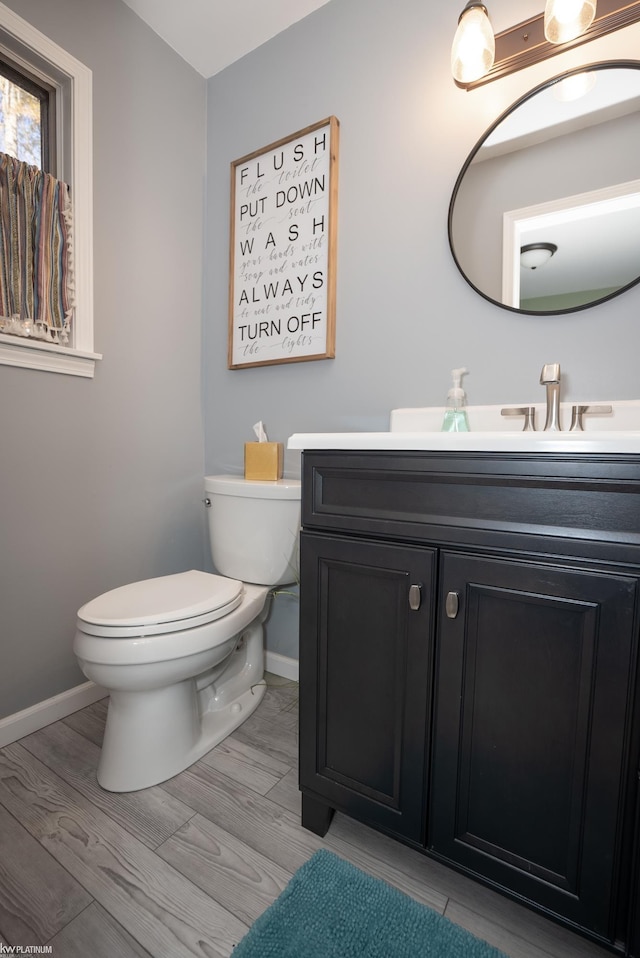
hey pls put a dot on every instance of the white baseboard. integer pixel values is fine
(44, 713)
(281, 665)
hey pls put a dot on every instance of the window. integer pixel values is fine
(27, 115)
(36, 69)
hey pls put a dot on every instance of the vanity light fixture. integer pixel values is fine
(534, 255)
(528, 42)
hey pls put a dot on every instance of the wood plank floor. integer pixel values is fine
(184, 868)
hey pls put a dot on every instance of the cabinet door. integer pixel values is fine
(633, 937)
(532, 684)
(365, 678)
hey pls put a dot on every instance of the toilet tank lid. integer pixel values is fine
(253, 488)
(166, 599)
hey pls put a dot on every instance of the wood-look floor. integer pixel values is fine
(184, 868)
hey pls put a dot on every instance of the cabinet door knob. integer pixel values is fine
(415, 597)
(452, 604)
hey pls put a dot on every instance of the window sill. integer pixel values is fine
(34, 354)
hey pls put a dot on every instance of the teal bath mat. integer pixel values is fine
(330, 909)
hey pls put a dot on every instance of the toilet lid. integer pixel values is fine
(165, 600)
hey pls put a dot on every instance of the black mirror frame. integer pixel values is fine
(602, 65)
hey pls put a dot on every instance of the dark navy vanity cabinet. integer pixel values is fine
(468, 668)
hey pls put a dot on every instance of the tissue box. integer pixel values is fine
(263, 460)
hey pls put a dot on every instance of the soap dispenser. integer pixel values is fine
(455, 417)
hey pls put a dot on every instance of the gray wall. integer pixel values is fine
(405, 316)
(101, 480)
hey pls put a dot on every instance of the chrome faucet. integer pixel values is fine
(550, 377)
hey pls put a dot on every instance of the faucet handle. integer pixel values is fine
(550, 374)
(578, 412)
(529, 413)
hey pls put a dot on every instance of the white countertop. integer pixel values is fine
(540, 442)
(419, 428)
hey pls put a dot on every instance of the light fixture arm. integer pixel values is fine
(525, 44)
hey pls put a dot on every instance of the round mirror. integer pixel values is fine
(545, 214)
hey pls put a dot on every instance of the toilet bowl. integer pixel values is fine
(182, 655)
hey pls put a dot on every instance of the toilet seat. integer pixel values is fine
(156, 606)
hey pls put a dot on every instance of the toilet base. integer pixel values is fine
(152, 736)
(150, 760)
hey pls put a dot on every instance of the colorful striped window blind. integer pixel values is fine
(36, 253)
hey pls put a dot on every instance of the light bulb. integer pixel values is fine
(473, 50)
(567, 19)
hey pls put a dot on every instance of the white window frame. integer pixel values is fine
(74, 120)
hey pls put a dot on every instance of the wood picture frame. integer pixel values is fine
(282, 261)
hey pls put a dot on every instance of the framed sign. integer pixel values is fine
(282, 273)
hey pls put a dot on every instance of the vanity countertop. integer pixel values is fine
(613, 442)
(419, 428)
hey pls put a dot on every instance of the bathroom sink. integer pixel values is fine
(419, 428)
(624, 417)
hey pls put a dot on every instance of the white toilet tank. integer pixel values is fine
(254, 527)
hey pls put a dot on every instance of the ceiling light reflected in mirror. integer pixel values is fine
(535, 255)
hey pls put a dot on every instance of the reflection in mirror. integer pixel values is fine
(560, 168)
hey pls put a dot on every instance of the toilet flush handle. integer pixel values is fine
(207, 502)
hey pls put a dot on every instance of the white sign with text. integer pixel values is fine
(283, 238)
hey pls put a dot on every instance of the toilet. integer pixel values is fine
(182, 655)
